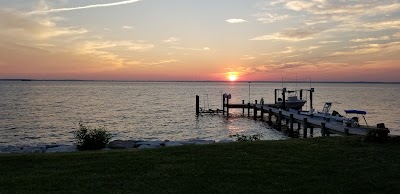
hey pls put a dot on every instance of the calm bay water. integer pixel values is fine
(45, 112)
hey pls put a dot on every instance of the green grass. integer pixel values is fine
(319, 165)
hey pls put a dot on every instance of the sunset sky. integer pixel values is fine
(325, 40)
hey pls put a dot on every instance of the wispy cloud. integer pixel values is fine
(56, 10)
(289, 35)
(191, 49)
(247, 57)
(329, 41)
(163, 62)
(16, 24)
(271, 18)
(127, 27)
(236, 21)
(172, 40)
(370, 48)
(370, 39)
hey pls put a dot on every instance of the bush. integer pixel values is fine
(91, 138)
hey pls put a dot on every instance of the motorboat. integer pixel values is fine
(292, 102)
(289, 102)
(325, 114)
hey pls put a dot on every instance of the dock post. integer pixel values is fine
(346, 131)
(305, 126)
(255, 112)
(256, 102)
(323, 129)
(301, 94)
(248, 109)
(311, 98)
(283, 98)
(270, 116)
(262, 113)
(280, 121)
(223, 104)
(291, 124)
(243, 107)
(311, 131)
(227, 107)
(197, 105)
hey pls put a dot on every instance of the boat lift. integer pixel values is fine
(284, 91)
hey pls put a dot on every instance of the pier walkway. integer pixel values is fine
(284, 119)
(307, 121)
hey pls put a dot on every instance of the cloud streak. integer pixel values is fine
(236, 21)
(289, 35)
(56, 10)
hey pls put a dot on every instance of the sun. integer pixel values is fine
(232, 78)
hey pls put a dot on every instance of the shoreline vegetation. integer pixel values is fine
(315, 165)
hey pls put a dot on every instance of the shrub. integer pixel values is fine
(240, 137)
(91, 138)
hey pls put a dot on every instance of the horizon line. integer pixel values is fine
(241, 81)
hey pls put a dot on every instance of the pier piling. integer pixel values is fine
(255, 113)
(305, 126)
(269, 116)
(243, 108)
(248, 109)
(291, 120)
(197, 105)
(227, 107)
(279, 122)
(262, 113)
(323, 129)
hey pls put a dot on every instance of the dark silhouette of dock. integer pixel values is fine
(287, 119)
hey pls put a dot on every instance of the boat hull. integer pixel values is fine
(296, 105)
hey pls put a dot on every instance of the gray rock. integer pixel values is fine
(122, 144)
(32, 150)
(152, 143)
(201, 142)
(172, 144)
(10, 149)
(65, 148)
(149, 146)
(226, 141)
(52, 146)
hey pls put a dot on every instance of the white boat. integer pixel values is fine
(292, 102)
(288, 99)
(325, 114)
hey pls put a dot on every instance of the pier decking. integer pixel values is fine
(284, 120)
(306, 121)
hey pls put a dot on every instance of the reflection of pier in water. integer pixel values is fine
(285, 120)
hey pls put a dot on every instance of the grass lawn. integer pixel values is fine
(318, 165)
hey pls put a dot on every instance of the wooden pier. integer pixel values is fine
(285, 120)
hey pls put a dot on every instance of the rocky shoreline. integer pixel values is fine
(113, 145)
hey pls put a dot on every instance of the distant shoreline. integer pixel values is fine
(172, 81)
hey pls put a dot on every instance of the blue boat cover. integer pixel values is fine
(361, 112)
